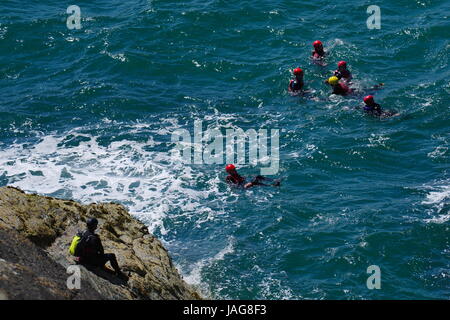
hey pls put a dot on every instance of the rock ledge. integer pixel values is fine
(35, 234)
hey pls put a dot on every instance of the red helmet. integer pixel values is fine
(368, 99)
(230, 167)
(298, 71)
(317, 43)
(342, 64)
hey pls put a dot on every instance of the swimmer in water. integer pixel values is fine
(342, 72)
(296, 85)
(338, 87)
(319, 52)
(373, 108)
(234, 178)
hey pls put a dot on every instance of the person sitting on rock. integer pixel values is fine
(91, 252)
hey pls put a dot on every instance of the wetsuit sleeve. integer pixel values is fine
(345, 88)
(377, 109)
(100, 249)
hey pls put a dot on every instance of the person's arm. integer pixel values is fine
(229, 180)
(377, 86)
(100, 249)
(346, 88)
(378, 110)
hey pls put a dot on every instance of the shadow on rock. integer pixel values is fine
(107, 274)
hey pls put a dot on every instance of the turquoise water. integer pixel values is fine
(88, 114)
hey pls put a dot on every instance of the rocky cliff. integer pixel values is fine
(35, 234)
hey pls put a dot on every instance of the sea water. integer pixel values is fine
(88, 113)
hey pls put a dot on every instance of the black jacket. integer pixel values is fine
(92, 245)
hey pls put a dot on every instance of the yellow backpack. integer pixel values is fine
(74, 248)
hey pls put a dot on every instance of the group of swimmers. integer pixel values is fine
(340, 82)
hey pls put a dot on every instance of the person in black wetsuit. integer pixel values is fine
(296, 84)
(371, 107)
(375, 109)
(92, 253)
(342, 72)
(234, 178)
(318, 52)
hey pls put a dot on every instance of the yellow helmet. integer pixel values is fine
(333, 80)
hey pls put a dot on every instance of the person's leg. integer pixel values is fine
(111, 257)
(257, 181)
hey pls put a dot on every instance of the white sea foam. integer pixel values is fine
(438, 152)
(438, 196)
(272, 288)
(152, 184)
(194, 275)
(376, 140)
(3, 31)
(439, 219)
(438, 199)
